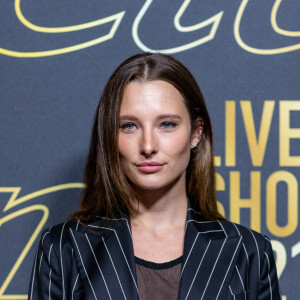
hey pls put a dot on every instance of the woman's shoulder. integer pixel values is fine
(58, 235)
(57, 230)
(228, 229)
(250, 238)
(61, 234)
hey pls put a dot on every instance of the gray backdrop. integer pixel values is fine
(55, 58)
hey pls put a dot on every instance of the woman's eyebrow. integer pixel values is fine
(128, 117)
(169, 116)
(160, 117)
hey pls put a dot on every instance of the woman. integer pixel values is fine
(148, 225)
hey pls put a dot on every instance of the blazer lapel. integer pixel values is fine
(105, 260)
(106, 266)
(208, 259)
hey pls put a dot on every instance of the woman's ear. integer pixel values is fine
(197, 132)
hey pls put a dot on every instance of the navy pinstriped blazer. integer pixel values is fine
(221, 260)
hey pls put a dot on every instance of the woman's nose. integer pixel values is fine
(148, 145)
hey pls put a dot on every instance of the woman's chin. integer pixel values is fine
(157, 185)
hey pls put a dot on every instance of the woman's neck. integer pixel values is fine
(158, 229)
(160, 210)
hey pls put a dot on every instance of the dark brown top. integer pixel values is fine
(158, 281)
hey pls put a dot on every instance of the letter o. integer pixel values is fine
(292, 203)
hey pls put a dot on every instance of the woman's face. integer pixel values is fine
(154, 135)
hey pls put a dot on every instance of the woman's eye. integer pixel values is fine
(128, 126)
(168, 125)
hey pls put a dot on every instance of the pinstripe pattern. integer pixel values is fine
(223, 228)
(131, 273)
(61, 260)
(33, 276)
(49, 262)
(189, 253)
(74, 286)
(50, 284)
(237, 270)
(197, 270)
(40, 262)
(269, 275)
(98, 266)
(228, 268)
(221, 260)
(211, 273)
(258, 255)
(91, 286)
(232, 293)
(247, 257)
(114, 268)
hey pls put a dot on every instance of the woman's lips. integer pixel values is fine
(149, 167)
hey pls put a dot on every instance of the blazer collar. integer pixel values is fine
(106, 263)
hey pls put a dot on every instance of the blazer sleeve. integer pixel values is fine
(268, 285)
(46, 279)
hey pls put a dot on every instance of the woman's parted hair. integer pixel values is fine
(107, 190)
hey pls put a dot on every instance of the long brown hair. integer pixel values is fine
(107, 190)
